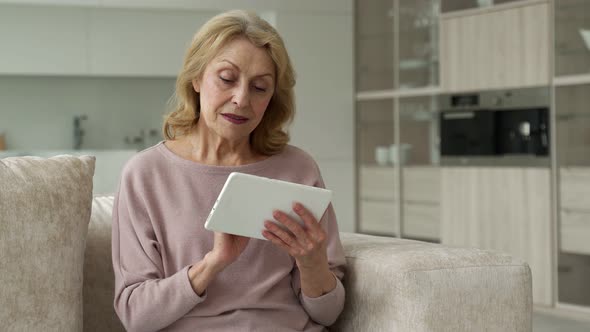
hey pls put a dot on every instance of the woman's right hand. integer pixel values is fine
(227, 248)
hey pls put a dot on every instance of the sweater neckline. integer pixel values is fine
(213, 168)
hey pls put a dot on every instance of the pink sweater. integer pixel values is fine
(160, 209)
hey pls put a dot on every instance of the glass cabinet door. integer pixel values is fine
(572, 37)
(573, 161)
(377, 176)
(418, 43)
(374, 45)
(418, 154)
(454, 5)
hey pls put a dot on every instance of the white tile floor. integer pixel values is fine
(550, 323)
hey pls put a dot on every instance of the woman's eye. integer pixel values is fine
(225, 80)
(259, 89)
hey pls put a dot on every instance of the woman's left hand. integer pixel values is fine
(307, 244)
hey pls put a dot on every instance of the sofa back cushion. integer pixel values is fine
(99, 278)
(44, 213)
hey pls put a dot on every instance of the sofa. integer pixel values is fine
(57, 275)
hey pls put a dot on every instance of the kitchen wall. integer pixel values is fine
(37, 112)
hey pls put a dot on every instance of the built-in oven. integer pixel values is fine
(495, 123)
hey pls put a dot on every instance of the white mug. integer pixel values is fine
(399, 153)
(382, 155)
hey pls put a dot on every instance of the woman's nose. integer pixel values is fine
(241, 96)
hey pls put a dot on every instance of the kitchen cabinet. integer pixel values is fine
(420, 179)
(87, 41)
(378, 201)
(503, 47)
(572, 37)
(378, 179)
(421, 221)
(421, 202)
(455, 5)
(573, 185)
(378, 217)
(418, 44)
(380, 198)
(43, 40)
(505, 209)
(125, 42)
(374, 23)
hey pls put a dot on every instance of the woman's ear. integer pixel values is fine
(196, 86)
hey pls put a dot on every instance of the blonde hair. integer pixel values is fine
(269, 137)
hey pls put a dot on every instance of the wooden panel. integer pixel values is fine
(504, 51)
(495, 49)
(534, 61)
(575, 188)
(575, 232)
(378, 217)
(378, 183)
(505, 209)
(421, 220)
(421, 184)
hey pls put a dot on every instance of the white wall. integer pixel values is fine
(37, 111)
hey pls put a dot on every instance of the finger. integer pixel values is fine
(294, 227)
(280, 243)
(313, 226)
(287, 238)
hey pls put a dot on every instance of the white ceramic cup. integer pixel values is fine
(382, 155)
(399, 153)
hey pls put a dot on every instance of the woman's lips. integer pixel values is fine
(234, 118)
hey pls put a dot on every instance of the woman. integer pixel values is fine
(233, 97)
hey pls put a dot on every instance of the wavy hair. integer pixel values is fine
(270, 136)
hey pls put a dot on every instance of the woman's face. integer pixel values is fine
(235, 90)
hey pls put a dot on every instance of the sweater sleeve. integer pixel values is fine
(145, 300)
(326, 308)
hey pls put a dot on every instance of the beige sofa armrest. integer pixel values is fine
(404, 285)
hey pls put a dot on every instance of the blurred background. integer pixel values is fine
(462, 122)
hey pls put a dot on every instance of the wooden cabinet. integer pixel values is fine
(379, 217)
(505, 209)
(378, 183)
(575, 210)
(380, 199)
(492, 48)
(421, 202)
(421, 220)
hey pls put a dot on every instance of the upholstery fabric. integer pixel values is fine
(99, 279)
(391, 285)
(44, 213)
(404, 285)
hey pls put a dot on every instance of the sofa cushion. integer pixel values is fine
(44, 214)
(99, 278)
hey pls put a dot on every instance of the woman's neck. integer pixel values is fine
(218, 151)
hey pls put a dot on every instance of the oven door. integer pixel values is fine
(467, 133)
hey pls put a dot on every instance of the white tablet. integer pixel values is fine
(246, 201)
